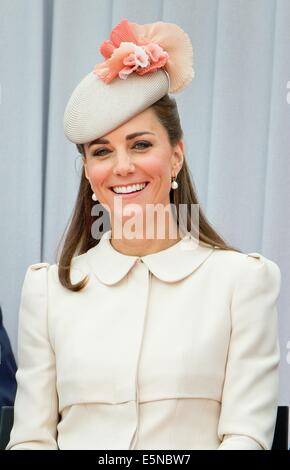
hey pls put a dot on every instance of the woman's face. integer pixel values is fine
(125, 160)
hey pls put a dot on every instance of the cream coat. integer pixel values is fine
(173, 350)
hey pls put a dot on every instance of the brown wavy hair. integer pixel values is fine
(77, 235)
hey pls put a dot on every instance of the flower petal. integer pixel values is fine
(122, 32)
(116, 62)
(126, 71)
(176, 43)
(107, 49)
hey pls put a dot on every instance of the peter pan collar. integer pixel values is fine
(169, 265)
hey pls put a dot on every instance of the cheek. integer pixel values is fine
(97, 173)
(158, 167)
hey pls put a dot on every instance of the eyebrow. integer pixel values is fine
(128, 137)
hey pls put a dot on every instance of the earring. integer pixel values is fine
(174, 184)
(94, 197)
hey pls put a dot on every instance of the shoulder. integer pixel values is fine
(245, 274)
(78, 269)
(239, 263)
(36, 266)
(260, 269)
(35, 280)
(255, 280)
(33, 296)
(36, 271)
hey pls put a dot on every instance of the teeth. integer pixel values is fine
(128, 189)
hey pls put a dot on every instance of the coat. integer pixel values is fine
(7, 368)
(173, 350)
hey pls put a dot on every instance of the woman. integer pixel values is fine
(144, 342)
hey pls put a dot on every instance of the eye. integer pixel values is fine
(143, 143)
(147, 144)
(97, 153)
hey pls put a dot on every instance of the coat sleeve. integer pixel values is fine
(250, 392)
(36, 404)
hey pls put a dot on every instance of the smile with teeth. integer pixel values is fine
(129, 189)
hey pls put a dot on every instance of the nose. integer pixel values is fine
(123, 165)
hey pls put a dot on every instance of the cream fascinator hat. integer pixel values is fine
(143, 63)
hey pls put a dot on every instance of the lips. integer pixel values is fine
(132, 193)
(127, 185)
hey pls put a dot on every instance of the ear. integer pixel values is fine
(85, 167)
(178, 156)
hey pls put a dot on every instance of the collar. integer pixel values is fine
(169, 265)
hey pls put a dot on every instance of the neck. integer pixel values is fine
(140, 244)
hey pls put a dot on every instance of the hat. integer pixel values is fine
(143, 63)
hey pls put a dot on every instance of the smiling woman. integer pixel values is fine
(144, 343)
(122, 162)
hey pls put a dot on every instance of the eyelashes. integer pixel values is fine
(145, 145)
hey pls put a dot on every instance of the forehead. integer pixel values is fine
(147, 120)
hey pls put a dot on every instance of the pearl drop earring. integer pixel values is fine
(94, 197)
(174, 184)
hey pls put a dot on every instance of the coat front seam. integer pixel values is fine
(135, 435)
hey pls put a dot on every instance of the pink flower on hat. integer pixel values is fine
(126, 54)
(143, 48)
(158, 58)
